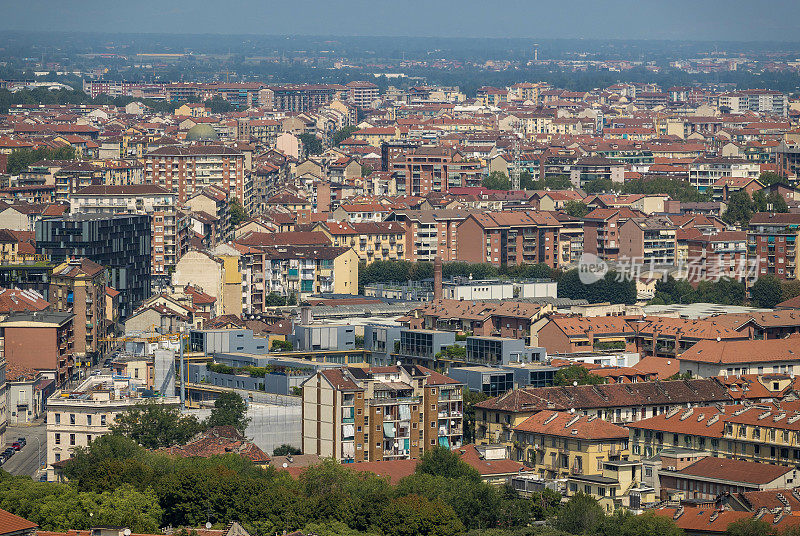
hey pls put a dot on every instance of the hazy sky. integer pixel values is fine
(733, 20)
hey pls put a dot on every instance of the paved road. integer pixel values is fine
(24, 462)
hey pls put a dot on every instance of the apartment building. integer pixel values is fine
(618, 403)
(558, 444)
(709, 477)
(519, 237)
(79, 286)
(765, 434)
(73, 177)
(187, 170)
(355, 414)
(710, 358)
(168, 225)
(571, 334)
(295, 271)
(429, 233)
(76, 418)
(362, 93)
(300, 97)
(121, 243)
(650, 240)
(211, 205)
(671, 337)
(601, 231)
(723, 254)
(372, 241)
(772, 244)
(705, 171)
(589, 168)
(512, 319)
(425, 169)
(42, 341)
(755, 100)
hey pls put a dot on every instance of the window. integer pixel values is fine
(88, 438)
(587, 489)
(377, 427)
(58, 418)
(433, 424)
(72, 418)
(89, 420)
(58, 439)
(58, 457)
(102, 420)
(72, 439)
(648, 471)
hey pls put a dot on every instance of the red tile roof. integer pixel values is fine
(10, 523)
(565, 424)
(735, 470)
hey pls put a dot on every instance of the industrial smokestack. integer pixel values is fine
(437, 278)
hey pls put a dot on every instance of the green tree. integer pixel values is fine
(769, 203)
(624, 523)
(237, 212)
(230, 409)
(342, 134)
(128, 507)
(154, 425)
(471, 398)
(576, 209)
(286, 450)
(740, 209)
(580, 515)
(311, 143)
(750, 527)
(281, 346)
(576, 373)
(769, 177)
(441, 461)
(416, 516)
(274, 299)
(678, 189)
(597, 186)
(526, 181)
(555, 182)
(218, 105)
(766, 292)
(612, 288)
(19, 160)
(496, 180)
(453, 351)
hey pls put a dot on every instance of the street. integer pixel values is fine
(24, 462)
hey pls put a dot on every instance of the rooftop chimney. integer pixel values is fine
(437, 278)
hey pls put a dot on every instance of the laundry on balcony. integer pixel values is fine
(388, 429)
(405, 412)
(348, 432)
(444, 442)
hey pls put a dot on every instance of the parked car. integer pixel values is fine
(9, 452)
(16, 445)
(22, 440)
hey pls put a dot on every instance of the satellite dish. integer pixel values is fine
(575, 383)
(669, 362)
(572, 410)
(399, 363)
(285, 465)
(718, 339)
(208, 524)
(127, 532)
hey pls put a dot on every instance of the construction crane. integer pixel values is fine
(516, 166)
(154, 336)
